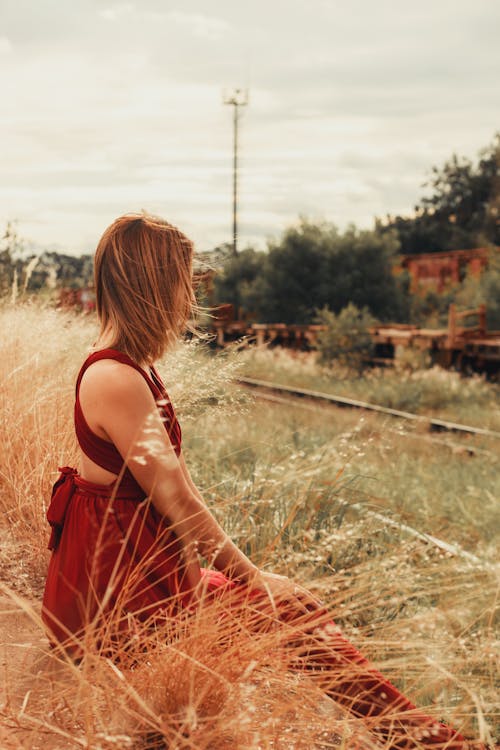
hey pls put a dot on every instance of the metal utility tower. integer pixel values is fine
(237, 98)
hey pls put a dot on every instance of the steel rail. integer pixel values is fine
(452, 446)
(433, 423)
(452, 549)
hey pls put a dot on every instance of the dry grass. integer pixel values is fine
(293, 488)
(194, 683)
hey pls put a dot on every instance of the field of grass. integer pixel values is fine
(433, 392)
(323, 495)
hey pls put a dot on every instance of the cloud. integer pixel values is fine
(111, 106)
(199, 24)
(115, 11)
(5, 45)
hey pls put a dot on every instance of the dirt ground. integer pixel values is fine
(26, 669)
(21, 649)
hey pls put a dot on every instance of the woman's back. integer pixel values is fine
(100, 460)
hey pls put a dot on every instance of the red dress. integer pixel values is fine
(113, 552)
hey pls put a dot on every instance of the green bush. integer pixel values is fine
(346, 339)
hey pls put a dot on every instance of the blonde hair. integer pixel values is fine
(143, 281)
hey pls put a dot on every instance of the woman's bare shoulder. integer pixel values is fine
(109, 378)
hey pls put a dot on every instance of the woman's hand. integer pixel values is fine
(283, 593)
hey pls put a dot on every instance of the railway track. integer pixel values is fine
(434, 425)
(270, 392)
(453, 446)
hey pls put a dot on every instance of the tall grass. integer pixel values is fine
(433, 391)
(292, 487)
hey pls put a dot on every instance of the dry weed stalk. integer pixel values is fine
(206, 681)
(282, 485)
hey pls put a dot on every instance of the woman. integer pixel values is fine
(128, 528)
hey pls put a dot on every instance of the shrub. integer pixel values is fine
(411, 359)
(346, 339)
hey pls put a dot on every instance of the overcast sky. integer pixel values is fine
(110, 106)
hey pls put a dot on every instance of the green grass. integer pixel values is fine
(285, 480)
(433, 392)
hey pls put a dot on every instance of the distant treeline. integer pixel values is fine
(49, 270)
(462, 210)
(315, 266)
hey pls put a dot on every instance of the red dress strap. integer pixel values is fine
(103, 452)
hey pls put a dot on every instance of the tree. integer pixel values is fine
(236, 274)
(288, 286)
(462, 211)
(6, 270)
(314, 266)
(73, 271)
(483, 289)
(21, 264)
(10, 248)
(360, 270)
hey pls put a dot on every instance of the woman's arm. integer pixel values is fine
(119, 403)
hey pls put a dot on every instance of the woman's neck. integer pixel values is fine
(107, 340)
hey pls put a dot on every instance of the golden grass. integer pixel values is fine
(191, 684)
(283, 482)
